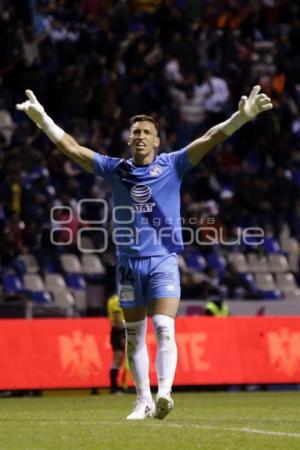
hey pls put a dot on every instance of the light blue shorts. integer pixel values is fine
(140, 280)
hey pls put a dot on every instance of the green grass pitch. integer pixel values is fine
(208, 421)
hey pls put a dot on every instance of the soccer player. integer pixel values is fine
(147, 232)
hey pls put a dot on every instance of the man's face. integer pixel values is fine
(143, 138)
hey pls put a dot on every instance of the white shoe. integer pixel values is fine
(163, 405)
(142, 409)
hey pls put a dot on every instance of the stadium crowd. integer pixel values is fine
(94, 64)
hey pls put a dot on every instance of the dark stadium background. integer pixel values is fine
(94, 64)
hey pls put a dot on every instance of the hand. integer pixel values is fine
(255, 104)
(34, 110)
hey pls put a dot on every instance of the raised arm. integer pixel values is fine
(63, 141)
(249, 108)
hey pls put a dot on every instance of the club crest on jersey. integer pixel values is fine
(141, 193)
(155, 171)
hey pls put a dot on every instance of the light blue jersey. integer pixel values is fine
(146, 203)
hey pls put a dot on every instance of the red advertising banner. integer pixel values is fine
(69, 353)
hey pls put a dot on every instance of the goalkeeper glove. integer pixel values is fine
(35, 111)
(249, 108)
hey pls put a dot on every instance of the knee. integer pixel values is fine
(164, 330)
(135, 337)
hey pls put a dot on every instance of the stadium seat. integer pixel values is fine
(265, 281)
(28, 264)
(65, 300)
(273, 294)
(91, 264)
(54, 282)
(217, 262)
(250, 281)
(293, 294)
(239, 261)
(33, 282)
(278, 263)
(257, 264)
(71, 263)
(40, 297)
(194, 260)
(286, 282)
(271, 245)
(290, 245)
(293, 260)
(75, 281)
(266, 285)
(11, 283)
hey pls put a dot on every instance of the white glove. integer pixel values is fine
(254, 104)
(34, 110)
(249, 108)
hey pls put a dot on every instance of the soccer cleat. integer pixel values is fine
(163, 405)
(142, 409)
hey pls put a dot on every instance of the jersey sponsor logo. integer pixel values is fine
(155, 171)
(140, 193)
(147, 207)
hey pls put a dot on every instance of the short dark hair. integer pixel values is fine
(144, 118)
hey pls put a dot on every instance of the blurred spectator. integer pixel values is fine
(216, 93)
(190, 102)
(7, 124)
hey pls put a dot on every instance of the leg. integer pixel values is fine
(134, 314)
(164, 278)
(164, 311)
(118, 357)
(136, 328)
(130, 279)
(138, 359)
(117, 341)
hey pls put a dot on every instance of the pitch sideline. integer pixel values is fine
(210, 427)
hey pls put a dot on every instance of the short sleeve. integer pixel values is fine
(180, 161)
(104, 166)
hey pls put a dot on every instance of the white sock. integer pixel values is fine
(166, 358)
(138, 356)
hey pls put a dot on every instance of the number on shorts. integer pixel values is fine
(125, 276)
